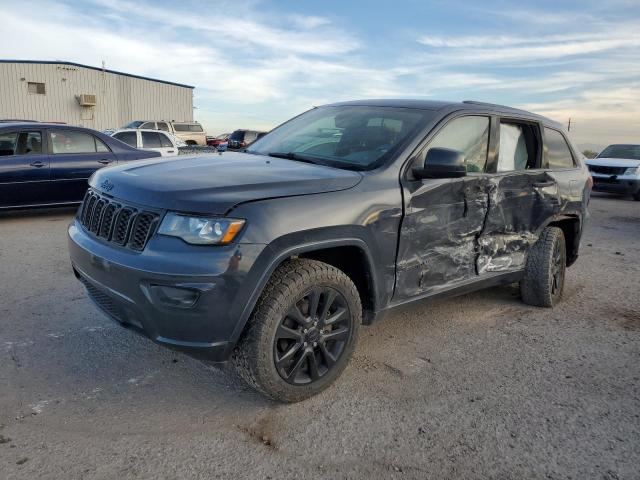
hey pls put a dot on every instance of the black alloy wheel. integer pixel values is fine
(312, 336)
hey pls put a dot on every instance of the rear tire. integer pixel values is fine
(636, 196)
(302, 331)
(544, 275)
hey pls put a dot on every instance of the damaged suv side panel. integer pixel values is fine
(484, 223)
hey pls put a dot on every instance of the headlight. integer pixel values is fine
(632, 171)
(201, 230)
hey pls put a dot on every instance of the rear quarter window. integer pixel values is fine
(558, 156)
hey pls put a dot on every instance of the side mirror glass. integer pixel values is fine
(442, 163)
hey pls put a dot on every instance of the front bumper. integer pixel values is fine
(623, 184)
(137, 289)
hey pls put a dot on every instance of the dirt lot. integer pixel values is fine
(480, 386)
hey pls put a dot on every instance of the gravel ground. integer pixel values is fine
(480, 386)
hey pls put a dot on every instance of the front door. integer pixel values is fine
(444, 217)
(75, 155)
(24, 169)
(522, 198)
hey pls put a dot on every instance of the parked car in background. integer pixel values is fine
(49, 164)
(191, 132)
(243, 138)
(221, 141)
(154, 140)
(275, 257)
(617, 170)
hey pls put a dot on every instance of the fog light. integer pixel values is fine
(174, 296)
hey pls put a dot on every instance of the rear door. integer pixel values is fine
(24, 168)
(523, 196)
(443, 218)
(563, 167)
(167, 146)
(75, 155)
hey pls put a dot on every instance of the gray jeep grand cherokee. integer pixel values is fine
(274, 257)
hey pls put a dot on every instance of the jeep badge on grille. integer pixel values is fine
(107, 185)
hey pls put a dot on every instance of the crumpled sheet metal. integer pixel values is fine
(465, 229)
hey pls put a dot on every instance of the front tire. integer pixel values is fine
(302, 332)
(543, 281)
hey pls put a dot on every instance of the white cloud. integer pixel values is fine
(521, 50)
(607, 115)
(260, 68)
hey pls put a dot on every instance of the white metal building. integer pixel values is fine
(87, 96)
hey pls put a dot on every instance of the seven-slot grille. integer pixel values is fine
(607, 170)
(115, 222)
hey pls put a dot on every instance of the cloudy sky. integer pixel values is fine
(256, 63)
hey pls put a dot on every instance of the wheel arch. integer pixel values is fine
(334, 252)
(571, 227)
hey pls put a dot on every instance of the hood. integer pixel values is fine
(216, 183)
(613, 162)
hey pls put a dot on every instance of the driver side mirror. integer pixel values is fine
(441, 163)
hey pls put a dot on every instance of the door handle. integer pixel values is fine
(37, 164)
(169, 151)
(104, 161)
(544, 184)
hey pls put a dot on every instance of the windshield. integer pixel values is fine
(347, 136)
(631, 152)
(134, 124)
(238, 135)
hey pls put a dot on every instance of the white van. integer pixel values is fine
(147, 139)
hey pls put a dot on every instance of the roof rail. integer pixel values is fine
(475, 102)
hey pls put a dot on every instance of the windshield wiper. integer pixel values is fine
(296, 157)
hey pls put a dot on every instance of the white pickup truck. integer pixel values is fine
(191, 132)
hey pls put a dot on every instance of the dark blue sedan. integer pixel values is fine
(44, 164)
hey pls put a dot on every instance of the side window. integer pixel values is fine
(163, 126)
(519, 147)
(151, 140)
(558, 153)
(149, 125)
(469, 136)
(71, 141)
(8, 142)
(164, 140)
(36, 88)
(23, 143)
(100, 146)
(127, 137)
(195, 128)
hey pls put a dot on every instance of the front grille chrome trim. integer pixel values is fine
(110, 220)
